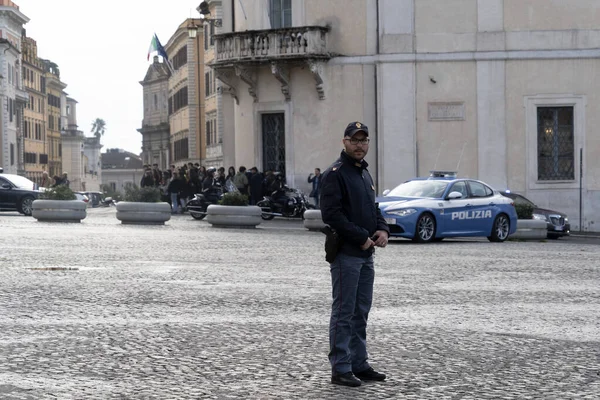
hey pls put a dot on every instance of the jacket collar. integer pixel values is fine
(346, 159)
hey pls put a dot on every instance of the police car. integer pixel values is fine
(430, 209)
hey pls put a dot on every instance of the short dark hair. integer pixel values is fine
(242, 169)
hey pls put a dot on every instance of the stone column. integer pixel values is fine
(491, 96)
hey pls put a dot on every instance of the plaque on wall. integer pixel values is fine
(453, 111)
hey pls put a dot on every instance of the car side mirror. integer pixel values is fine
(5, 186)
(386, 192)
(454, 195)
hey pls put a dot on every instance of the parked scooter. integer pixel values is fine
(107, 202)
(199, 204)
(285, 202)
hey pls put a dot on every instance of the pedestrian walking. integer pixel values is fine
(348, 206)
(316, 185)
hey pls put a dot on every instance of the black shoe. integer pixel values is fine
(347, 379)
(370, 375)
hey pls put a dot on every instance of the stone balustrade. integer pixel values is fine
(272, 44)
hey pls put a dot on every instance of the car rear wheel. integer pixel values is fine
(500, 229)
(425, 229)
(26, 205)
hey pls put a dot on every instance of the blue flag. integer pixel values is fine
(160, 49)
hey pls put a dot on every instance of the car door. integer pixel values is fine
(483, 208)
(455, 211)
(7, 195)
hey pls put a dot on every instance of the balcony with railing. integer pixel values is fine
(239, 54)
(272, 45)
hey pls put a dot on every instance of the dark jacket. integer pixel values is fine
(176, 186)
(147, 181)
(256, 186)
(316, 185)
(348, 204)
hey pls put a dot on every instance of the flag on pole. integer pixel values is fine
(156, 46)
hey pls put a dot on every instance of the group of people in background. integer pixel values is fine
(179, 184)
(55, 181)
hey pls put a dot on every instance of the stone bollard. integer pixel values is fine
(233, 216)
(138, 213)
(531, 229)
(313, 221)
(59, 210)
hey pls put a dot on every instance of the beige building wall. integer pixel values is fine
(188, 121)
(34, 113)
(54, 87)
(442, 85)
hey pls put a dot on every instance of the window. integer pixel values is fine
(155, 102)
(180, 149)
(281, 14)
(206, 84)
(44, 159)
(180, 58)
(460, 187)
(212, 34)
(479, 189)
(178, 100)
(31, 158)
(60, 149)
(205, 37)
(12, 154)
(555, 144)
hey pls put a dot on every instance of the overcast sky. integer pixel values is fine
(101, 49)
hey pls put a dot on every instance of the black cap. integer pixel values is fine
(354, 127)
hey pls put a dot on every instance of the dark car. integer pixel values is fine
(557, 222)
(17, 193)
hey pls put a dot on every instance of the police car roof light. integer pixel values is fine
(442, 174)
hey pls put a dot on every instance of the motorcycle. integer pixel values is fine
(108, 202)
(284, 202)
(198, 206)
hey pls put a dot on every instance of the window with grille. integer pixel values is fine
(555, 144)
(280, 14)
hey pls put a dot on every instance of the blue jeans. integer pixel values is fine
(174, 203)
(352, 280)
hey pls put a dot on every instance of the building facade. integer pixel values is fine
(121, 168)
(155, 125)
(54, 117)
(13, 96)
(92, 164)
(186, 95)
(213, 92)
(72, 140)
(499, 90)
(34, 118)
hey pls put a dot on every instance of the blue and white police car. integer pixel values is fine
(440, 206)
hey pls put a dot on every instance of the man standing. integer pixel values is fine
(256, 186)
(316, 185)
(348, 206)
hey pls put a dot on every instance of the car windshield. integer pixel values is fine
(522, 200)
(21, 182)
(429, 188)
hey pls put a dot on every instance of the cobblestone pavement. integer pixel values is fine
(187, 311)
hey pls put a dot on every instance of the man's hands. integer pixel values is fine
(381, 240)
(368, 244)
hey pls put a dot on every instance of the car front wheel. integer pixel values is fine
(425, 229)
(26, 205)
(500, 229)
